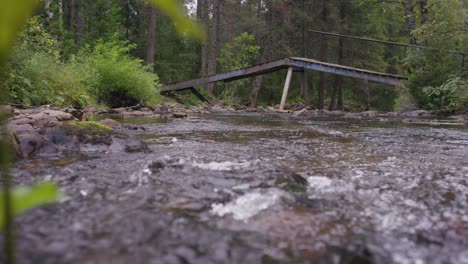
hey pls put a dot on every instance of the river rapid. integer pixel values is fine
(259, 188)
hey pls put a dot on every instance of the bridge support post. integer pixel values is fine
(200, 96)
(287, 83)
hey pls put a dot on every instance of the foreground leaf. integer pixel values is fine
(13, 16)
(25, 198)
(183, 24)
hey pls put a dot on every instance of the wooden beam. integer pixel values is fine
(287, 84)
(200, 96)
(297, 63)
(347, 71)
(229, 76)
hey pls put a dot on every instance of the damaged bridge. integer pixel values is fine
(289, 63)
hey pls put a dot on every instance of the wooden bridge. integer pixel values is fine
(289, 63)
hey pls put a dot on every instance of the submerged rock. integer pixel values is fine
(179, 115)
(110, 123)
(417, 113)
(305, 113)
(369, 113)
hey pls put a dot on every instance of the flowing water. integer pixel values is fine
(259, 188)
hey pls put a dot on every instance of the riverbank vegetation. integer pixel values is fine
(117, 53)
(100, 74)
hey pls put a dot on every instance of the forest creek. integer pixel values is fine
(234, 131)
(217, 185)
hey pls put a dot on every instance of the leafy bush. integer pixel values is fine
(121, 79)
(39, 79)
(405, 102)
(240, 53)
(36, 76)
(35, 38)
(107, 74)
(448, 97)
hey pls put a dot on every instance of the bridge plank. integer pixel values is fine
(303, 63)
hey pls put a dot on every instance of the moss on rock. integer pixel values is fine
(91, 125)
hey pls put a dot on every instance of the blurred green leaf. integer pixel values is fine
(13, 16)
(183, 24)
(25, 198)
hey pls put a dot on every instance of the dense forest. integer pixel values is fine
(118, 52)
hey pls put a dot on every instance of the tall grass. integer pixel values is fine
(38, 79)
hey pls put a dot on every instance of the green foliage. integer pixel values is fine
(105, 74)
(90, 125)
(37, 76)
(25, 198)
(405, 101)
(448, 97)
(188, 98)
(433, 80)
(38, 79)
(431, 71)
(35, 38)
(103, 20)
(240, 53)
(296, 100)
(121, 80)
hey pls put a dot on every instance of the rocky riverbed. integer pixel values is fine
(217, 185)
(51, 132)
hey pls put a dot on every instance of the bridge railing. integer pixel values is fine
(367, 53)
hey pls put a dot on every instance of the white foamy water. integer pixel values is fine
(222, 166)
(319, 182)
(141, 176)
(249, 205)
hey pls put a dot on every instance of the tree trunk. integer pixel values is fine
(340, 104)
(424, 8)
(256, 86)
(304, 93)
(48, 13)
(323, 51)
(79, 23)
(202, 15)
(69, 19)
(151, 42)
(60, 8)
(321, 90)
(338, 82)
(258, 18)
(227, 22)
(410, 20)
(258, 80)
(367, 93)
(214, 42)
